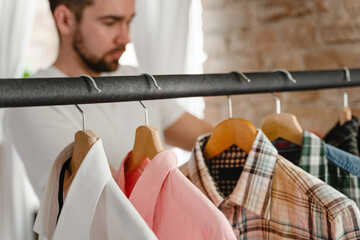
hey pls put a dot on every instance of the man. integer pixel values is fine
(93, 36)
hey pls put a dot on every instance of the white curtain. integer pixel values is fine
(160, 33)
(17, 199)
(167, 36)
(16, 17)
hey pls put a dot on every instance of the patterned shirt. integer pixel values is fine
(315, 161)
(274, 199)
(346, 136)
(226, 168)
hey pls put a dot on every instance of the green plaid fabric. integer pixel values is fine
(313, 160)
(345, 137)
(274, 199)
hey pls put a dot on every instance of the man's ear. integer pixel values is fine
(65, 19)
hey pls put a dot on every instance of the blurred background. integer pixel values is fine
(261, 35)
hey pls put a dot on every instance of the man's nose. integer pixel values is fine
(123, 36)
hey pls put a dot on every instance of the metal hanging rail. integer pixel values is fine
(17, 92)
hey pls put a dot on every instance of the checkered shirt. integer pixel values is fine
(313, 160)
(226, 168)
(274, 199)
(345, 137)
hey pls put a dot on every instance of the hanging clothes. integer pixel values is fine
(315, 159)
(273, 198)
(346, 136)
(18, 202)
(94, 207)
(109, 120)
(344, 160)
(171, 205)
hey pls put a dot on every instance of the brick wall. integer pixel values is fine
(261, 35)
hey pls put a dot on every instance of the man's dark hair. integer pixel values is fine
(76, 6)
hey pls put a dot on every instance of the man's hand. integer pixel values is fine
(185, 131)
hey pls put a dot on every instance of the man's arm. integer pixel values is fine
(185, 131)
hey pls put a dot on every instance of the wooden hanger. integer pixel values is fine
(283, 125)
(147, 145)
(147, 142)
(84, 140)
(345, 115)
(233, 131)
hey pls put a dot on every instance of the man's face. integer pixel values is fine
(103, 32)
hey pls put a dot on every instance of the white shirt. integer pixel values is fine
(38, 134)
(94, 207)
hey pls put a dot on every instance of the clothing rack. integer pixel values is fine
(20, 92)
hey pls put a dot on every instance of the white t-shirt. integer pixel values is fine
(38, 134)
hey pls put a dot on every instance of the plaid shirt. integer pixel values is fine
(274, 199)
(346, 137)
(315, 161)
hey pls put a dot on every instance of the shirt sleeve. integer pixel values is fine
(346, 224)
(38, 135)
(170, 112)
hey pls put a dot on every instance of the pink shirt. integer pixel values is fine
(131, 179)
(170, 204)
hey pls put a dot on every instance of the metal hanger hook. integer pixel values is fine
(154, 80)
(229, 106)
(347, 74)
(158, 87)
(83, 116)
(345, 98)
(228, 96)
(77, 106)
(345, 94)
(92, 80)
(288, 74)
(243, 76)
(278, 106)
(146, 114)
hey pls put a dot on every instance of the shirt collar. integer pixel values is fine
(312, 153)
(82, 197)
(345, 160)
(152, 178)
(253, 189)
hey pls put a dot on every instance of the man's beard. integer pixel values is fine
(97, 64)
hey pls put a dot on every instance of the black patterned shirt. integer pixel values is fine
(346, 136)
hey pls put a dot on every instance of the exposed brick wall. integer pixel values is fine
(261, 35)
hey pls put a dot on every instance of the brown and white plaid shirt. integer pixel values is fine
(274, 199)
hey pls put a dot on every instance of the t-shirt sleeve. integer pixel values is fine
(170, 112)
(38, 135)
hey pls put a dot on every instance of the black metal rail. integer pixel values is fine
(18, 92)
